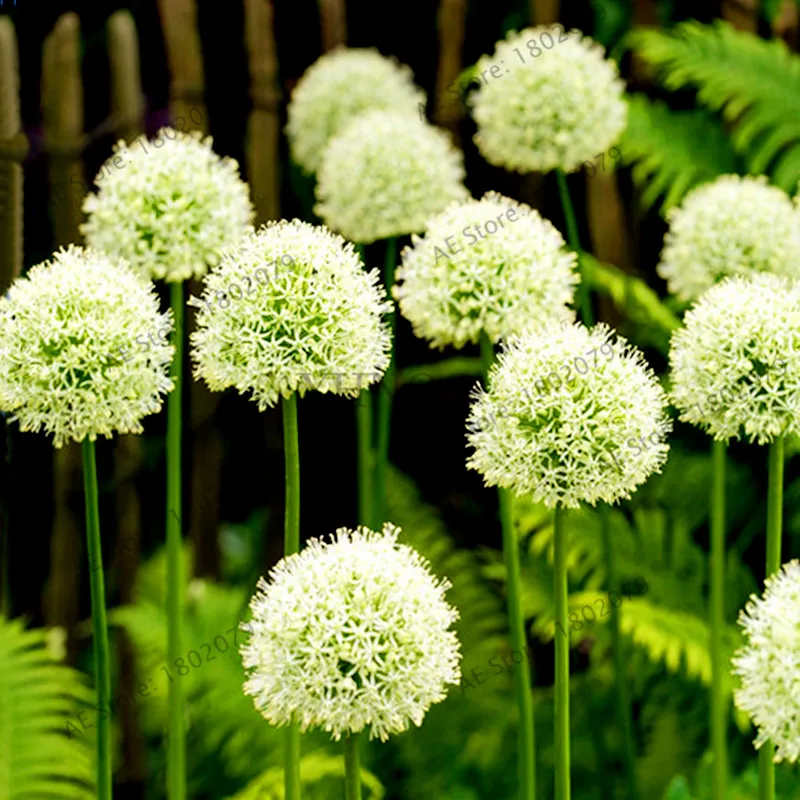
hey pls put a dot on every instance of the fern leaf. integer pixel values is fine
(652, 320)
(38, 697)
(754, 83)
(673, 151)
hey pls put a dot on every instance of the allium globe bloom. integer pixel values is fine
(491, 265)
(62, 328)
(571, 415)
(338, 87)
(769, 664)
(385, 175)
(349, 634)
(305, 316)
(736, 359)
(168, 210)
(554, 110)
(733, 226)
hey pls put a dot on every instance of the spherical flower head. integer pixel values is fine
(351, 633)
(170, 209)
(385, 175)
(65, 329)
(556, 109)
(571, 415)
(736, 359)
(733, 226)
(769, 663)
(489, 265)
(338, 87)
(289, 309)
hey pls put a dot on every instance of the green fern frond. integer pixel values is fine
(652, 321)
(38, 697)
(322, 776)
(754, 83)
(673, 151)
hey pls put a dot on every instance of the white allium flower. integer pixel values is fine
(491, 265)
(733, 226)
(168, 210)
(385, 175)
(338, 87)
(305, 315)
(736, 359)
(554, 110)
(64, 331)
(349, 634)
(571, 415)
(769, 663)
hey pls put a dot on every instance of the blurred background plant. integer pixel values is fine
(713, 88)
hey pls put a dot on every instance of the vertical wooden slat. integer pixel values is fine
(62, 111)
(333, 21)
(263, 128)
(13, 147)
(127, 99)
(451, 24)
(185, 58)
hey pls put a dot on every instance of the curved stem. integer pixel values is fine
(562, 660)
(526, 759)
(351, 767)
(365, 454)
(176, 745)
(584, 300)
(99, 624)
(291, 544)
(766, 755)
(719, 724)
(385, 396)
(620, 684)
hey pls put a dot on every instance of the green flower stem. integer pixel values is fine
(351, 766)
(526, 758)
(620, 684)
(719, 723)
(385, 396)
(584, 300)
(176, 745)
(365, 454)
(291, 544)
(459, 367)
(562, 764)
(766, 755)
(102, 670)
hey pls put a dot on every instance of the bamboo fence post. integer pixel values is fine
(263, 127)
(62, 111)
(127, 111)
(333, 21)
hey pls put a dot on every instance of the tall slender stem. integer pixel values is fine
(5, 497)
(526, 759)
(176, 744)
(620, 684)
(562, 660)
(351, 767)
(102, 670)
(365, 454)
(385, 396)
(719, 724)
(766, 755)
(584, 298)
(291, 544)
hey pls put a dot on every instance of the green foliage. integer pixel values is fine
(673, 151)
(38, 697)
(322, 776)
(651, 322)
(754, 83)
